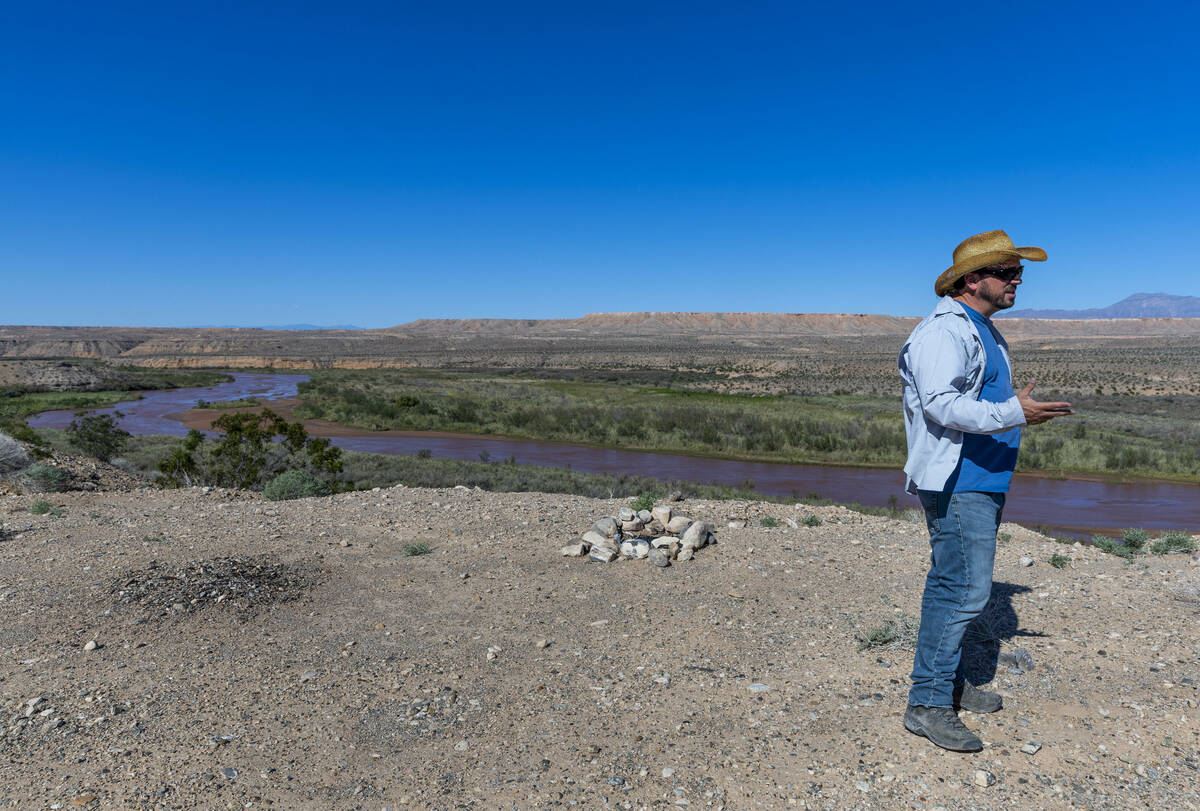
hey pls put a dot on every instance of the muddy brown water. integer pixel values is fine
(1076, 507)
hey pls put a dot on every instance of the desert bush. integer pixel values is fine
(1135, 538)
(893, 633)
(252, 450)
(1173, 542)
(768, 521)
(292, 484)
(98, 436)
(412, 550)
(643, 502)
(43, 479)
(1059, 561)
(13, 458)
(811, 520)
(42, 507)
(1113, 547)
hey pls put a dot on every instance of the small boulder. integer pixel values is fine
(661, 513)
(659, 557)
(594, 538)
(635, 525)
(575, 550)
(678, 523)
(602, 554)
(606, 526)
(626, 514)
(645, 516)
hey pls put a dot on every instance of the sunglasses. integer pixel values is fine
(1003, 274)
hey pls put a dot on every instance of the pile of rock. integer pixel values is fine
(655, 534)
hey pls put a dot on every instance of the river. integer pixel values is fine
(1068, 506)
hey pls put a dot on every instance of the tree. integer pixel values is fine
(251, 450)
(98, 436)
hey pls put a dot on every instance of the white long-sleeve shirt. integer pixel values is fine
(942, 366)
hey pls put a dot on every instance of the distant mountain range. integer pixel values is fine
(300, 327)
(1139, 305)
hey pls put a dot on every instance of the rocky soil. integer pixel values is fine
(206, 649)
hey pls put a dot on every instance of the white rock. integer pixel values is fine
(659, 557)
(668, 772)
(662, 541)
(604, 554)
(685, 553)
(1025, 561)
(737, 523)
(627, 548)
(640, 549)
(678, 523)
(606, 526)
(91, 645)
(575, 550)
(696, 535)
(661, 513)
(594, 538)
(646, 516)
(626, 514)
(636, 525)
(984, 778)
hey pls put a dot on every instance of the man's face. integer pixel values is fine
(996, 291)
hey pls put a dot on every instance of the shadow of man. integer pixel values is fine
(997, 624)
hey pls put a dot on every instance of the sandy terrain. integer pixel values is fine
(322, 667)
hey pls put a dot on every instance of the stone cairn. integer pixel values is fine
(654, 534)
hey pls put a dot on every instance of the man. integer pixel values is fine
(963, 423)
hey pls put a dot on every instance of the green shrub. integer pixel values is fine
(768, 521)
(893, 633)
(1059, 561)
(42, 507)
(252, 450)
(1112, 547)
(811, 521)
(292, 484)
(1135, 538)
(424, 453)
(44, 479)
(98, 436)
(643, 502)
(412, 550)
(1173, 542)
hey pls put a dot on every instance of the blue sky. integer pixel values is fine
(246, 163)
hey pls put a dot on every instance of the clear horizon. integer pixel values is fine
(375, 164)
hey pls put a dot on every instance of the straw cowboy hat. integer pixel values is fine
(980, 251)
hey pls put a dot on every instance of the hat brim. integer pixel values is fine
(956, 271)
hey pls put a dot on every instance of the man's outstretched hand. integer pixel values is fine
(1036, 413)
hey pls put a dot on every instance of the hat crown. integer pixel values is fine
(987, 242)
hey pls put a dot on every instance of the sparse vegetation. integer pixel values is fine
(412, 550)
(643, 502)
(42, 507)
(97, 435)
(811, 520)
(221, 405)
(1113, 547)
(292, 484)
(768, 521)
(899, 632)
(43, 479)
(1135, 539)
(1170, 542)
(1059, 561)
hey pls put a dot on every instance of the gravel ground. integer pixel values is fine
(206, 649)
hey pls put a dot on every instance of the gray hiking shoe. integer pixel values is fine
(970, 697)
(942, 726)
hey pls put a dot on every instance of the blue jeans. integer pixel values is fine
(962, 535)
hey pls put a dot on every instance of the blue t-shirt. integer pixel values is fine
(988, 460)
